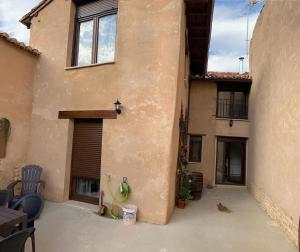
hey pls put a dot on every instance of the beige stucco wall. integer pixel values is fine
(240, 128)
(16, 79)
(181, 104)
(274, 112)
(141, 144)
(203, 121)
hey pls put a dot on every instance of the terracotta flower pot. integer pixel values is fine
(181, 203)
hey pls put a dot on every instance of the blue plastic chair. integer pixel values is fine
(31, 183)
(32, 205)
(15, 242)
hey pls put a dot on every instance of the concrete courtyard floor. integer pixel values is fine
(199, 227)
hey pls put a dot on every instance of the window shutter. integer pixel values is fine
(86, 153)
(96, 7)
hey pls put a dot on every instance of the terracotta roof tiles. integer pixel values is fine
(21, 45)
(224, 76)
(228, 75)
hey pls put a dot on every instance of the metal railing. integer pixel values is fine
(226, 108)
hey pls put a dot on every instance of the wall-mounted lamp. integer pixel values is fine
(118, 106)
(231, 123)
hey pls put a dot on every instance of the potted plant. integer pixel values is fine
(184, 194)
(5, 129)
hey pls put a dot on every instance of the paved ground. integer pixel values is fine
(199, 227)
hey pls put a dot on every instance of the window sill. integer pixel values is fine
(194, 163)
(88, 66)
(233, 119)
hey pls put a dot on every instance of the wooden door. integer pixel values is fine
(86, 160)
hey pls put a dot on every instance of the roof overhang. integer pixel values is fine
(199, 15)
(26, 20)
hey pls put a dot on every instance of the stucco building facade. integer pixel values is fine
(141, 142)
(211, 118)
(242, 128)
(147, 69)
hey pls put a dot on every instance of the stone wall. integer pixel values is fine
(276, 213)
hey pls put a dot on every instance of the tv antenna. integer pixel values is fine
(250, 4)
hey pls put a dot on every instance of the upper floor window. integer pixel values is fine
(232, 102)
(95, 32)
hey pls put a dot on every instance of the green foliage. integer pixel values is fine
(5, 124)
(185, 184)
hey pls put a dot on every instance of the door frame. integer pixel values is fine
(71, 115)
(243, 159)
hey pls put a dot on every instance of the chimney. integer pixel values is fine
(241, 59)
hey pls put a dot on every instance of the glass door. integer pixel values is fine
(231, 153)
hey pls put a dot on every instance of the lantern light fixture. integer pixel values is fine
(118, 106)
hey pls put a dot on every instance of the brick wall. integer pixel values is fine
(277, 214)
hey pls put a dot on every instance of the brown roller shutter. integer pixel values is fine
(86, 153)
(96, 7)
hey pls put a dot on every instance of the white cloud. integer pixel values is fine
(10, 13)
(226, 63)
(228, 40)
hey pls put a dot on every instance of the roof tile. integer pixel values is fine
(21, 45)
(228, 75)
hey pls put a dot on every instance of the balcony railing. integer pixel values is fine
(229, 109)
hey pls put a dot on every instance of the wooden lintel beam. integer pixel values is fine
(88, 114)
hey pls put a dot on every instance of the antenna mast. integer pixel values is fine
(250, 4)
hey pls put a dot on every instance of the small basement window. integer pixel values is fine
(195, 150)
(95, 36)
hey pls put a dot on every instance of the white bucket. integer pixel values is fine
(129, 214)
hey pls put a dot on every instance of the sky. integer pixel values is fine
(228, 38)
(229, 34)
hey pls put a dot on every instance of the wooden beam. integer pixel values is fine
(211, 5)
(88, 114)
(198, 32)
(199, 19)
(196, 1)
